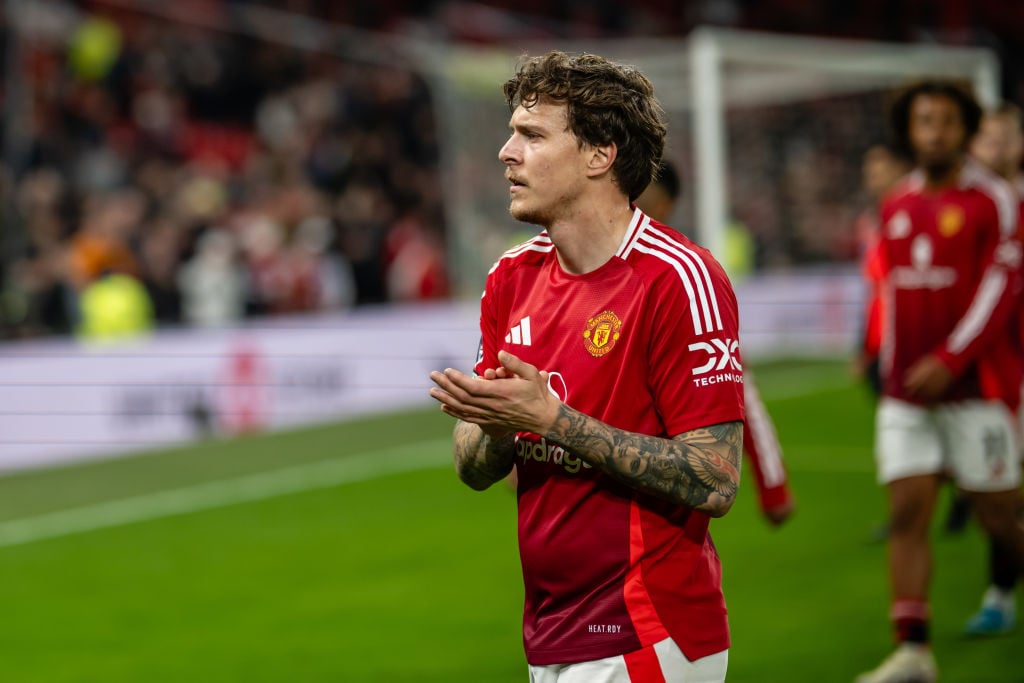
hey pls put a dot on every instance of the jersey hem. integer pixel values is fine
(576, 655)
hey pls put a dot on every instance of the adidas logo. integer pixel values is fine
(520, 334)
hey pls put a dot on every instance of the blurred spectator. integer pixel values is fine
(333, 285)
(104, 240)
(415, 260)
(39, 296)
(114, 307)
(194, 160)
(160, 260)
(212, 282)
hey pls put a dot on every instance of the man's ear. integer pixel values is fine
(601, 158)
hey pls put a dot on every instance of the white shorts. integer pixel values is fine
(663, 661)
(973, 441)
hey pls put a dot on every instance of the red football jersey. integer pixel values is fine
(872, 270)
(951, 261)
(646, 343)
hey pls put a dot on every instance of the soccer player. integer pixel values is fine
(951, 258)
(881, 169)
(760, 441)
(999, 145)
(609, 376)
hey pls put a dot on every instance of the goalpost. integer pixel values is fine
(767, 132)
(734, 69)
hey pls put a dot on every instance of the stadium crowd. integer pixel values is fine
(231, 177)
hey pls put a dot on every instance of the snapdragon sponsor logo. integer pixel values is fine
(542, 451)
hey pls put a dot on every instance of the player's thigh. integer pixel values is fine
(907, 441)
(998, 512)
(663, 661)
(912, 504)
(982, 442)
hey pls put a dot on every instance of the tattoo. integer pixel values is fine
(480, 460)
(699, 468)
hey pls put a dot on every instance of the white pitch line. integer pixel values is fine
(222, 493)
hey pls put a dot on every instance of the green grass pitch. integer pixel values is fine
(392, 571)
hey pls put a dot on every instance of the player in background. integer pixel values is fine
(951, 256)
(586, 331)
(999, 145)
(760, 441)
(881, 168)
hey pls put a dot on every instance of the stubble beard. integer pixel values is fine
(940, 169)
(531, 216)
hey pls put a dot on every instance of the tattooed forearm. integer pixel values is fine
(700, 469)
(480, 460)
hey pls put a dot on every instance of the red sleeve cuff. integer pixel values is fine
(775, 497)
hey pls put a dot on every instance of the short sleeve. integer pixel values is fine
(696, 370)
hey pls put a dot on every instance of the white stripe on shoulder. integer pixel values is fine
(909, 184)
(541, 243)
(698, 328)
(698, 270)
(541, 239)
(636, 226)
(1000, 190)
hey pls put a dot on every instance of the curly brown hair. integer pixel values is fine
(606, 103)
(960, 93)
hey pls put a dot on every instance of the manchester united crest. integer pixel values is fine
(951, 219)
(602, 331)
